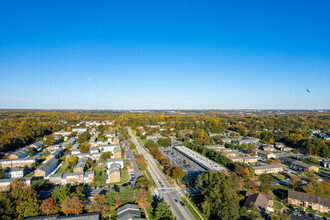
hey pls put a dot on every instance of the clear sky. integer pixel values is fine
(165, 54)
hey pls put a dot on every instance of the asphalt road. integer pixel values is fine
(171, 195)
(137, 171)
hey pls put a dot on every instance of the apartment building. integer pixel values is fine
(267, 168)
(17, 162)
(306, 200)
(72, 178)
(21, 153)
(81, 165)
(266, 155)
(37, 145)
(299, 165)
(47, 168)
(14, 172)
(113, 173)
(114, 160)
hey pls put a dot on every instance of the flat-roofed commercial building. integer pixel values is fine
(199, 159)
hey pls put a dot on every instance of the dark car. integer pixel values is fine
(182, 203)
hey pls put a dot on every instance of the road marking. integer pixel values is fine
(149, 163)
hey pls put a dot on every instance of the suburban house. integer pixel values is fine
(282, 147)
(21, 153)
(47, 168)
(248, 140)
(72, 141)
(117, 152)
(115, 160)
(79, 130)
(17, 162)
(54, 154)
(75, 151)
(217, 147)
(84, 216)
(267, 147)
(129, 212)
(263, 202)
(286, 160)
(309, 201)
(108, 148)
(81, 165)
(55, 179)
(268, 168)
(37, 145)
(266, 155)
(113, 173)
(325, 163)
(14, 172)
(299, 165)
(244, 159)
(4, 184)
(62, 133)
(72, 178)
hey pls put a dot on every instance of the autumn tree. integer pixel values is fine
(84, 147)
(98, 203)
(7, 209)
(177, 173)
(142, 199)
(50, 140)
(49, 206)
(72, 206)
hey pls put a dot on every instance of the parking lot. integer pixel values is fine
(191, 169)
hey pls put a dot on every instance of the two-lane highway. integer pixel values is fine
(166, 191)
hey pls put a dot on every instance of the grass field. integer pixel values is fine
(192, 210)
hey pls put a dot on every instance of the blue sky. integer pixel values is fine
(165, 54)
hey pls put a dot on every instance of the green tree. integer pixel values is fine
(61, 193)
(126, 194)
(111, 197)
(220, 199)
(7, 209)
(2, 173)
(254, 212)
(84, 137)
(267, 183)
(163, 212)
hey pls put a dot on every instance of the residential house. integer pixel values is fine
(113, 173)
(72, 141)
(129, 212)
(79, 130)
(37, 145)
(114, 160)
(5, 184)
(17, 162)
(85, 216)
(47, 168)
(55, 179)
(266, 155)
(244, 159)
(325, 163)
(263, 202)
(217, 147)
(117, 152)
(21, 153)
(282, 147)
(267, 147)
(267, 168)
(306, 200)
(299, 165)
(248, 140)
(81, 165)
(62, 133)
(75, 151)
(73, 178)
(54, 154)
(14, 172)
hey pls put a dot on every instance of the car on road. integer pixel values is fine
(182, 203)
(175, 200)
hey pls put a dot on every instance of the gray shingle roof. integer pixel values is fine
(309, 198)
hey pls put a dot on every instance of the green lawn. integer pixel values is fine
(30, 174)
(192, 210)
